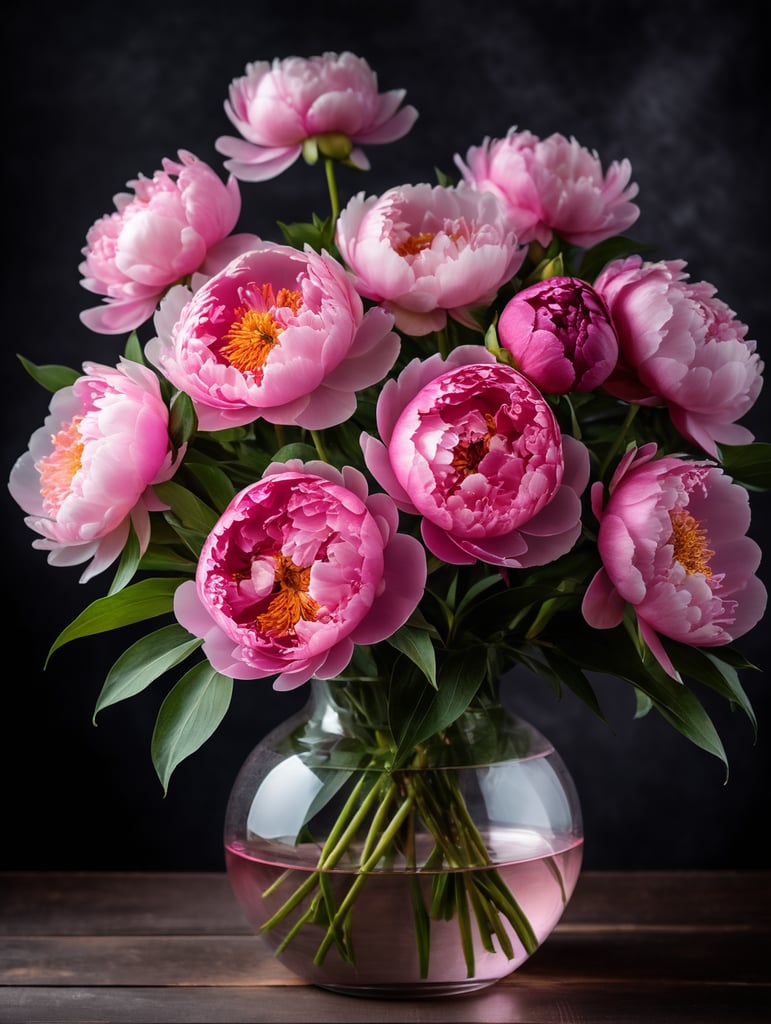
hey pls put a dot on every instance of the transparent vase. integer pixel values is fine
(439, 876)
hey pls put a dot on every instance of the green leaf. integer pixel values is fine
(133, 349)
(708, 668)
(192, 513)
(188, 716)
(417, 645)
(748, 464)
(418, 711)
(51, 376)
(144, 662)
(129, 563)
(610, 249)
(215, 482)
(183, 422)
(144, 600)
(298, 450)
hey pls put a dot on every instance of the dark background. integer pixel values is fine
(96, 95)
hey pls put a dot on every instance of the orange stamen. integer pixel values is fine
(58, 468)
(690, 543)
(290, 600)
(254, 332)
(466, 455)
(414, 244)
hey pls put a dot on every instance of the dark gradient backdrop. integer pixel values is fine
(98, 94)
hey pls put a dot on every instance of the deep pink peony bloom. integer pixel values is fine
(332, 99)
(553, 186)
(277, 333)
(673, 545)
(175, 223)
(425, 251)
(301, 566)
(89, 470)
(560, 335)
(472, 446)
(680, 345)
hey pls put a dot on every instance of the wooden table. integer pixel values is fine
(157, 948)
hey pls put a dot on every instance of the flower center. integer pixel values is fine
(254, 332)
(414, 244)
(290, 600)
(468, 452)
(58, 468)
(690, 543)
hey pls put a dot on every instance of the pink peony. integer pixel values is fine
(553, 186)
(301, 566)
(89, 470)
(560, 335)
(332, 100)
(424, 252)
(673, 545)
(165, 232)
(472, 446)
(680, 345)
(277, 333)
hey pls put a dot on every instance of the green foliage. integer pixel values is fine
(187, 718)
(144, 600)
(51, 377)
(144, 662)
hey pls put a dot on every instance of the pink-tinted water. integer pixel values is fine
(540, 871)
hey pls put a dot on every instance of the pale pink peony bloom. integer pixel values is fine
(277, 334)
(332, 99)
(175, 224)
(301, 566)
(472, 446)
(560, 335)
(88, 472)
(673, 544)
(682, 346)
(553, 186)
(428, 251)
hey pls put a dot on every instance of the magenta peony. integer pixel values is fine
(277, 333)
(553, 186)
(682, 346)
(559, 335)
(673, 545)
(88, 472)
(330, 101)
(472, 446)
(175, 224)
(425, 252)
(302, 565)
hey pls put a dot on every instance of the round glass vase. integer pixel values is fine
(437, 876)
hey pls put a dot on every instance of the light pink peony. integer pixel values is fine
(332, 99)
(472, 446)
(560, 335)
(680, 345)
(553, 186)
(673, 545)
(89, 470)
(278, 334)
(301, 566)
(425, 251)
(175, 224)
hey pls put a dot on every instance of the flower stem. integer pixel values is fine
(619, 439)
(334, 200)
(318, 441)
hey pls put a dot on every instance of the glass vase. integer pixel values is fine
(436, 877)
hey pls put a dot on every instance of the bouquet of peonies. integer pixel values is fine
(440, 432)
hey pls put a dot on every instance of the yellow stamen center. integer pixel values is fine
(290, 600)
(58, 468)
(689, 540)
(254, 332)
